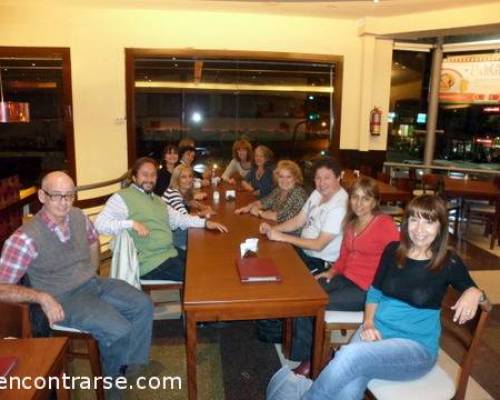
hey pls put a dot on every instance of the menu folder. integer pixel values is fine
(257, 269)
(7, 363)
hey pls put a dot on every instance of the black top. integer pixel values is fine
(162, 181)
(415, 284)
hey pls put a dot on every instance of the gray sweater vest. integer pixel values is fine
(59, 267)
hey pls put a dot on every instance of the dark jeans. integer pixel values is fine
(171, 269)
(315, 265)
(343, 295)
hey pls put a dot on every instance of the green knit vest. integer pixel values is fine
(151, 211)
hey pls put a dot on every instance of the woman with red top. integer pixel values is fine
(366, 234)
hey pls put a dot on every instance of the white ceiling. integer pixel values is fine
(352, 9)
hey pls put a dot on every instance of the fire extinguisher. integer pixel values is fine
(375, 121)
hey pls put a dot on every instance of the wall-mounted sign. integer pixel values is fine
(470, 79)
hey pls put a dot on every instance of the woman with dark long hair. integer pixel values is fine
(399, 338)
(169, 160)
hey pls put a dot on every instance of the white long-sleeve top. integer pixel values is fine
(115, 217)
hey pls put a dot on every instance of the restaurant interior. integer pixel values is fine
(404, 91)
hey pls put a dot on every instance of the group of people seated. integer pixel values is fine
(355, 252)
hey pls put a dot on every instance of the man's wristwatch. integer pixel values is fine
(482, 299)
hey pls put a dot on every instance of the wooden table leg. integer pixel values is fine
(191, 342)
(287, 337)
(62, 392)
(319, 333)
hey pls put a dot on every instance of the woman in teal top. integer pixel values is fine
(399, 338)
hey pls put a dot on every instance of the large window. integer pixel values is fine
(288, 105)
(40, 77)
(468, 125)
(408, 105)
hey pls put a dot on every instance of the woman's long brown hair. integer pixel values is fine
(370, 188)
(431, 208)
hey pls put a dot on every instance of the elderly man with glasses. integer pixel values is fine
(58, 249)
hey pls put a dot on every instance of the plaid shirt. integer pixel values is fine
(20, 250)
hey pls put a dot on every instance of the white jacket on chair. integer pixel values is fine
(125, 264)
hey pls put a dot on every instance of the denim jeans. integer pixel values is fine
(117, 315)
(171, 269)
(343, 295)
(354, 365)
(179, 238)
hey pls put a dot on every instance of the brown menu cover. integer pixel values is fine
(7, 363)
(257, 269)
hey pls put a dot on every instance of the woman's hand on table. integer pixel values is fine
(264, 228)
(466, 306)
(369, 333)
(200, 196)
(216, 226)
(243, 210)
(207, 212)
(255, 211)
(275, 235)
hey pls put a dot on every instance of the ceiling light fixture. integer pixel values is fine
(12, 111)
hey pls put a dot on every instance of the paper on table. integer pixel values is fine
(249, 245)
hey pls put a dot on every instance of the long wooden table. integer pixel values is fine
(44, 357)
(475, 190)
(213, 291)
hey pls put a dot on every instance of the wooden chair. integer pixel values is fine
(430, 184)
(437, 385)
(334, 321)
(150, 286)
(127, 268)
(404, 184)
(15, 320)
(91, 353)
(383, 177)
(341, 321)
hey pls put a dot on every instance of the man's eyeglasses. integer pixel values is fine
(60, 196)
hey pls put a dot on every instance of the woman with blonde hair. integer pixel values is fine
(240, 165)
(181, 196)
(286, 200)
(260, 178)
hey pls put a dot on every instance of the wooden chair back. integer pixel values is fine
(403, 184)
(467, 336)
(431, 182)
(15, 320)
